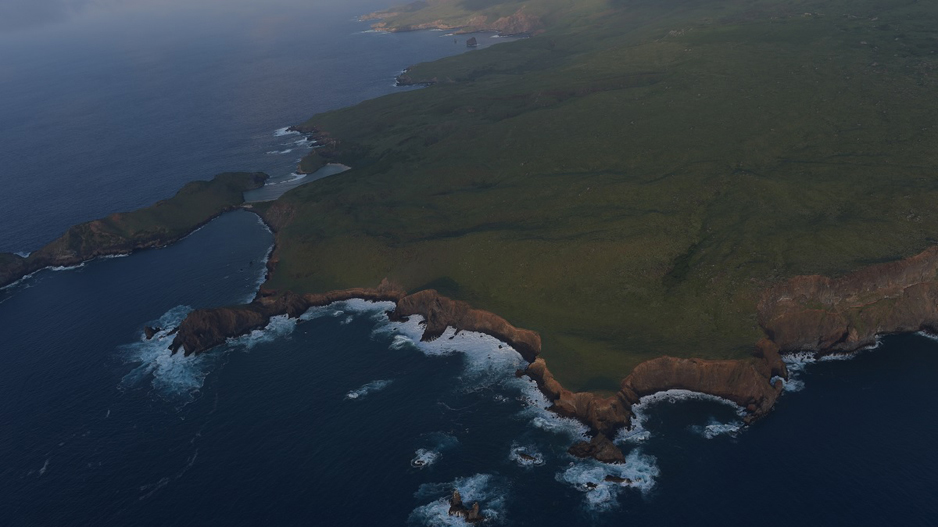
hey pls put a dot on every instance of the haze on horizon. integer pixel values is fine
(21, 15)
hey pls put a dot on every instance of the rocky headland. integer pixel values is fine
(805, 313)
(159, 225)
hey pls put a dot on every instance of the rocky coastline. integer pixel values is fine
(812, 313)
(805, 313)
(113, 236)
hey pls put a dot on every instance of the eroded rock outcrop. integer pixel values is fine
(600, 448)
(747, 383)
(470, 514)
(159, 225)
(604, 415)
(829, 315)
(204, 329)
(440, 312)
(739, 381)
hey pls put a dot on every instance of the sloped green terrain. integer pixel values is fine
(628, 182)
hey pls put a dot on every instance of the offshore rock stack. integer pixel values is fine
(470, 514)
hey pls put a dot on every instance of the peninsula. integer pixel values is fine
(662, 194)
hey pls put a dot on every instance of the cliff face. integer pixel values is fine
(746, 383)
(203, 329)
(159, 225)
(12, 268)
(804, 313)
(832, 315)
(441, 312)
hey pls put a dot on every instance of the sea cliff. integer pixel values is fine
(159, 225)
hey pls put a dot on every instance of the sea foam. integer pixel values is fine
(371, 387)
(589, 476)
(637, 432)
(486, 489)
(171, 376)
(280, 132)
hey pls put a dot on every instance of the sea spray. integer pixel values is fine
(526, 456)
(601, 482)
(369, 388)
(637, 433)
(171, 376)
(488, 490)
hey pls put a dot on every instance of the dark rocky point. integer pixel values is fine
(470, 514)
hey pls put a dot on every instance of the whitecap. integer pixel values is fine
(714, 428)
(601, 482)
(525, 455)
(487, 360)
(279, 326)
(67, 267)
(798, 362)
(424, 458)
(485, 489)
(279, 152)
(280, 132)
(537, 411)
(371, 387)
(637, 433)
(170, 375)
(45, 467)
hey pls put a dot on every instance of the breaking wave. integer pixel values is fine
(797, 363)
(436, 443)
(279, 326)
(714, 428)
(176, 377)
(280, 132)
(371, 387)
(488, 362)
(172, 376)
(601, 482)
(425, 458)
(637, 432)
(525, 456)
(486, 489)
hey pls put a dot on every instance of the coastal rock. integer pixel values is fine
(600, 448)
(831, 315)
(149, 332)
(739, 381)
(204, 329)
(470, 514)
(12, 268)
(126, 232)
(441, 312)
(604, 415)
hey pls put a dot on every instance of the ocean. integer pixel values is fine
(343, 418)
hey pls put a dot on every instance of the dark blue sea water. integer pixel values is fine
(344, 418)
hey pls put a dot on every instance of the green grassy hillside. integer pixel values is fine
(628, 182)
